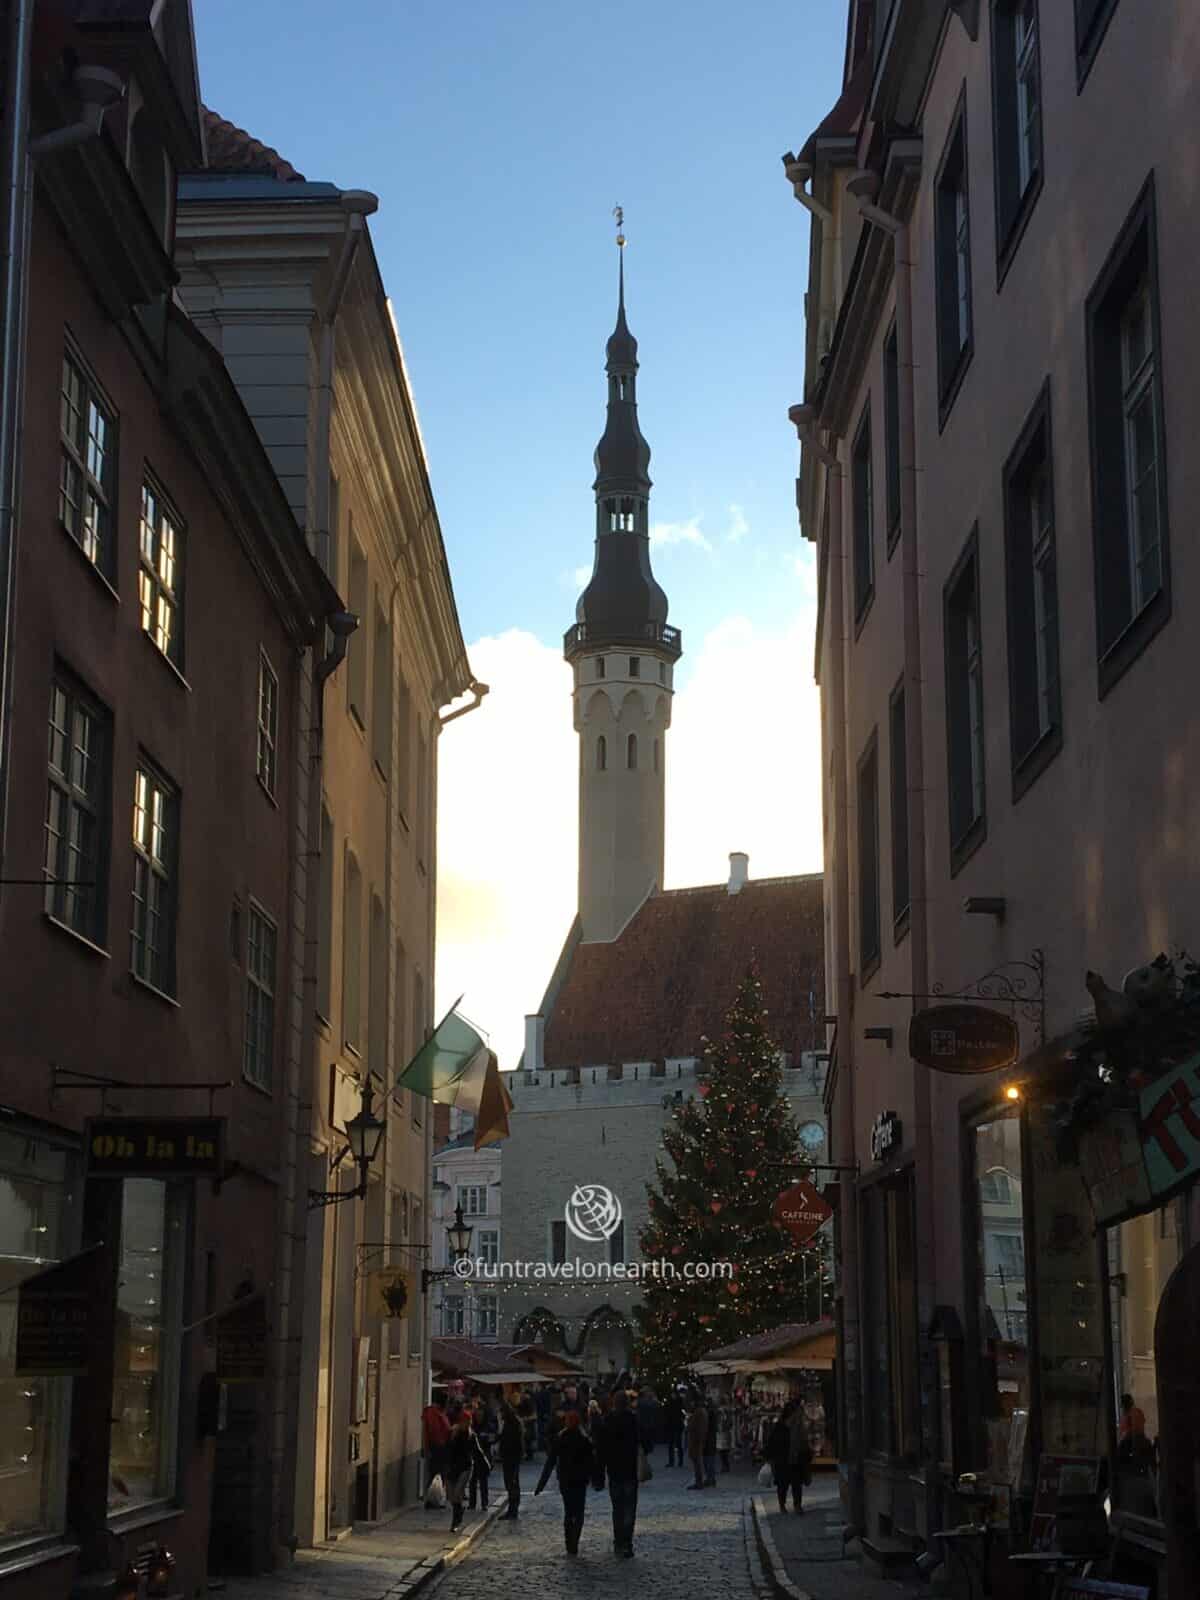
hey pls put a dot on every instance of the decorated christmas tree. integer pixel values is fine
(727, 1162)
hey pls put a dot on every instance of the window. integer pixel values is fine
(898, 761)
(558, 1243)
(635, 666)
(487, 1248)
(952, 271)
(1092, 18)
(268, 722)
(416, 1319)
(39, 1197)
(861, 491)
(657, 756)
(662, 672)
(891, 1360)
(381, 697)
(403, 751)
(1032, 595)
(155, 847)
(616, 1244)
(258, 1054)
(453, 1321)
(891, 434)
(1017, 114)
(868, 858)
(146, 1371)
(356, 650)
(160, 580)
(601, 754)
(1001, 1289)
(1143, 1252)
(631, 752)
(1129, 506)
(325, 917)
(964, 705)
(995, 1187)
(87, 473)
(76, 803)
(377, 996)
(352, 913)
(485, 1316)
(600, 666)
(472, 1197)
(400, 1022)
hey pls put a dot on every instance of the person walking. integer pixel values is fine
(673, 1421)
(697, 1434)
(618, 1445)
(436, 1427)
(649, 1419)
(463, 1452)
(724, 1435)
(710, 1446)
(482, 1464)
(571, 1456)
(528, 1415)
(543, 1405)
(800, 1455)
(511, 1447)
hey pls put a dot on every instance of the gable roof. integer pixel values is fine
(670, 977)
(774, 1339)
(232, 149)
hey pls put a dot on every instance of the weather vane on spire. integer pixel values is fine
(619, 213)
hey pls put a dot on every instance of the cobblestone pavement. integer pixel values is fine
(811, 1549)
(687, 1544)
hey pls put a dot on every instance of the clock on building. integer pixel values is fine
(812, 1136)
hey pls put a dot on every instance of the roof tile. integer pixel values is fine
(232, 149)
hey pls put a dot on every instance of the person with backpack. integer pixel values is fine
(570, 1454)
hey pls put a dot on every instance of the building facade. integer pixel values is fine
(280, 275)
(995, 473)
(471, 1179)
(165, 615)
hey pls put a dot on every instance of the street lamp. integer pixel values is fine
(364, 1133)
(458, 1242)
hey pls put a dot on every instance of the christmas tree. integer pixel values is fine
(728, 1151)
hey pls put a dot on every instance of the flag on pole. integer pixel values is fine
(454, 1067)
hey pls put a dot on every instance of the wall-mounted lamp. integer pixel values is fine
(879, 1033)
(364, 1134)
(986, 905)
(458, 1242)
(1012, 1092)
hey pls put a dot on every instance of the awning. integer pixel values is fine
(496, 1378)
(812, 1354)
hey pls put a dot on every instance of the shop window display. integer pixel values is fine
(146, 1366)
(1003, 1293)
(38, 1221)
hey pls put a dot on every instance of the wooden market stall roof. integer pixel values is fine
(808, 1345)
(469, 1358)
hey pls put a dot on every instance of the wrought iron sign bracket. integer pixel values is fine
(1020, 985)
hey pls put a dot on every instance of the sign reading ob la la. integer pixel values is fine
(802, 1211)
(159, 1147)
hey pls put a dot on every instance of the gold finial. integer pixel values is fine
(619, 213)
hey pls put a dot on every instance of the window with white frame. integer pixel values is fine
(76, 802)
(160, 580)
(472, 1197)
(486, 1312)
(155, 849)
(453, 1317)
(259, 1047)
(87, 472)
(487, 1247)
(268, 722)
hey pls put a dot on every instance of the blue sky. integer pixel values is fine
(499, 134)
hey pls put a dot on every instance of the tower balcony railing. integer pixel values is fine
(596, 635)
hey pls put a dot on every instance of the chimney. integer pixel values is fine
(535, 1042)
(739, 871)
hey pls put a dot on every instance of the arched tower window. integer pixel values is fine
(631, 752)
(601, 754)
(656, 756)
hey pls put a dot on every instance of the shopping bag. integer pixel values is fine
(435, 1495)
(766, 1476)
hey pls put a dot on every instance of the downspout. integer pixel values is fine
(846, 1130)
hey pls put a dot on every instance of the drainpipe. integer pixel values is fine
(846, 1131)
(478, 690)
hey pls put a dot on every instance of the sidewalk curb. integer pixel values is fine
(773, 1566)
(425, 1572)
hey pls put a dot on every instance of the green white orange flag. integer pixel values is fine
(454, 1067)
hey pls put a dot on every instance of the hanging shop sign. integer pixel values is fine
(964, 1039)
(155, 1147)
(55, 1314)
(886, 1134)
(802, 1211)
(242, 1342)
(1135, 1159)
(391, 1292)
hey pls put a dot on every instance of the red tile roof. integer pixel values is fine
(670, 978)
(232, 149)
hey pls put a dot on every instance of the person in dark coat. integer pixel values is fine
(710, 1446)
(528, 1415)
(617, 1443)
(511, 1448)
(543, 1405)
(571, 1455)
(673, 1421)
(463, 1454)
(485, 1433)
(649, 1419)
(790, 1456)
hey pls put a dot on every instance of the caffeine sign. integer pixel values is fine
(963, 1039)
(801, 1211)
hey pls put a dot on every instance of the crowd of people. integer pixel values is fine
(595, 1436)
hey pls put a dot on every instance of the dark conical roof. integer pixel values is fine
(621, 350)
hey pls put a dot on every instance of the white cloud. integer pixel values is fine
(581, 577)
(738, 525)
(688, 532)
(743, 773)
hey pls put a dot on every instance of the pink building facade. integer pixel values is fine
(997, 475)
